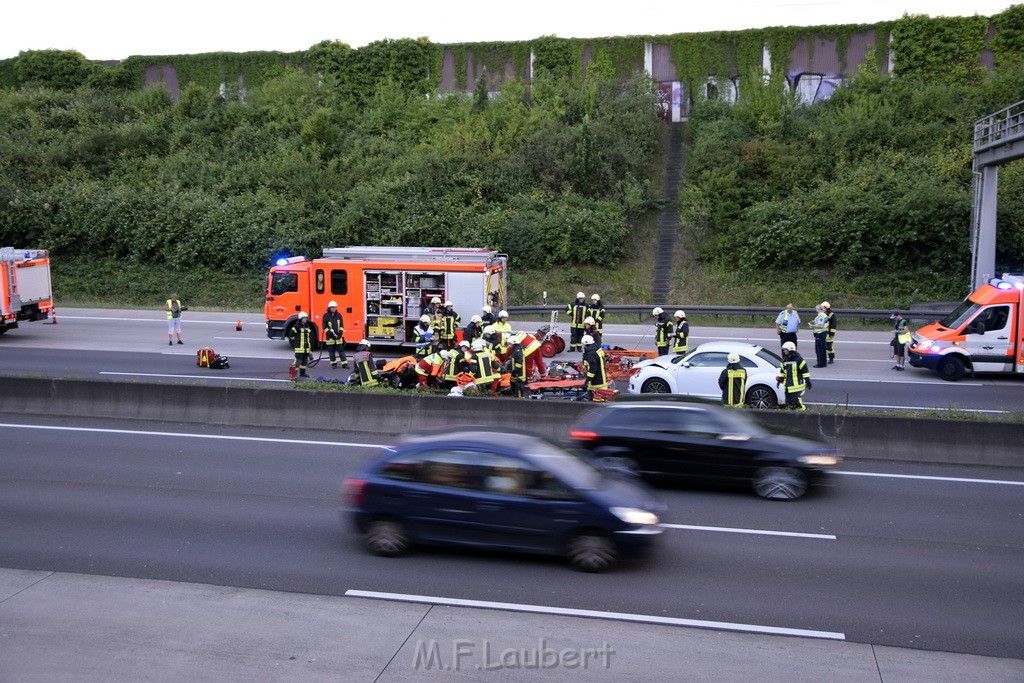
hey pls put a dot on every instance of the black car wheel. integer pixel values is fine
(591, 553)
(780, 483)
(951, 369)
(655, 385)
(386, 537)
(762, 397)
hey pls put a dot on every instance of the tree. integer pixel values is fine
(58, 69)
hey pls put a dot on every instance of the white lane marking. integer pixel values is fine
(761, 532)
(840, 404)
(255, 339)
(941, 383)
(223, 437)
(188, 321)
(595, 614)
(961, 480)
(288, 357)
(752, 340)
(153, 374)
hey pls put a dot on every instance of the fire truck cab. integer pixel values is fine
(985, 333)
(26, 292)
(382, 291)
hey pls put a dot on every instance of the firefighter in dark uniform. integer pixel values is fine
(596, 311)
(516, 366)
(300, 338)
(365, 366)
(794, 375)
(830, 336)
(663, 330)
(486, 370)
(681, 333)
(733, 382)
(590, 327)
(450, 321)
(474, 329)
(488, 317)
(577, 312)
(593, 365)
(421, 334)
(334, 326)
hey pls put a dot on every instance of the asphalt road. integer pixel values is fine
(929, 563)
(115, 344)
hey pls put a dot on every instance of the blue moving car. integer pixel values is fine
(505, 490)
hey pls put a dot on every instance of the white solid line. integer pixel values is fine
(153, 374)
(1003, 482)
(223, 437)
(259, 339)
(941, 383)
(839, 404)
(290, 357)
(761, 532)
(595, 614)
(188, 321)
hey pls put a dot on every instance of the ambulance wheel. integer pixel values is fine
(549, 349)
(951, 369)
(559, 343)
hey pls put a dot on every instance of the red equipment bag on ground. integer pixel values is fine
(205, 356)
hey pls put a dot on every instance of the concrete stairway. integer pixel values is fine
(668, 223)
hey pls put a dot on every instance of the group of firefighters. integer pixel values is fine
(491, 357)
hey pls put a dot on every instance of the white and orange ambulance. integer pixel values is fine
(382, 291)
(984, 334)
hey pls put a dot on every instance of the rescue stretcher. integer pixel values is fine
(619, 362)
(567, 380)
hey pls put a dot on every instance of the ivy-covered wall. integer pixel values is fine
(935, 48)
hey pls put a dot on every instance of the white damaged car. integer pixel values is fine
(696, 373)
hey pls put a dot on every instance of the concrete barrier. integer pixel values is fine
(963, 442)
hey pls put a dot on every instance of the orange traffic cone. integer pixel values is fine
(53, 315)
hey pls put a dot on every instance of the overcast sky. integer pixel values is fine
(115, 29)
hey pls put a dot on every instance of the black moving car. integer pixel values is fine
(695, 442)
(482, 487)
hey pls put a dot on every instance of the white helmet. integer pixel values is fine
(445, 355)
(580, 295)
(464, 344)
(658, 310)
(789, 346)
(489, 329)
(478, 345)
(424, 318)
(595, 297)
(734, 357)
(517, 338)
(476, 319)
(680, 314)
(486, 309)
(303, 314)
(502, 314)
(448, 303)
(589, 321)
(825, 304)
(587, 340)
(435, 300)
(332, 304)
(363, 342)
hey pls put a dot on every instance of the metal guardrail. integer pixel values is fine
(755, 312)
(1003, 127)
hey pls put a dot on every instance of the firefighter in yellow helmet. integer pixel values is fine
(733, 382)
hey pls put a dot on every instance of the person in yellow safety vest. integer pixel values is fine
(174, 309)
(430, 368)
(458, 361)
(596, 311)
(450, 321)
(533, 355)
(819, 328)
(516, 365)
(793, 373)
(334, 328)
(300, 338)
(577, 312)
(488, 317)
(830, 336)
(593, 365)
(485, 367)
(733, 382)
(901, 336)
(365, 367)
(681, 334)
(590, 327)
(663, 330)
(421, 334)
(504, 331)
